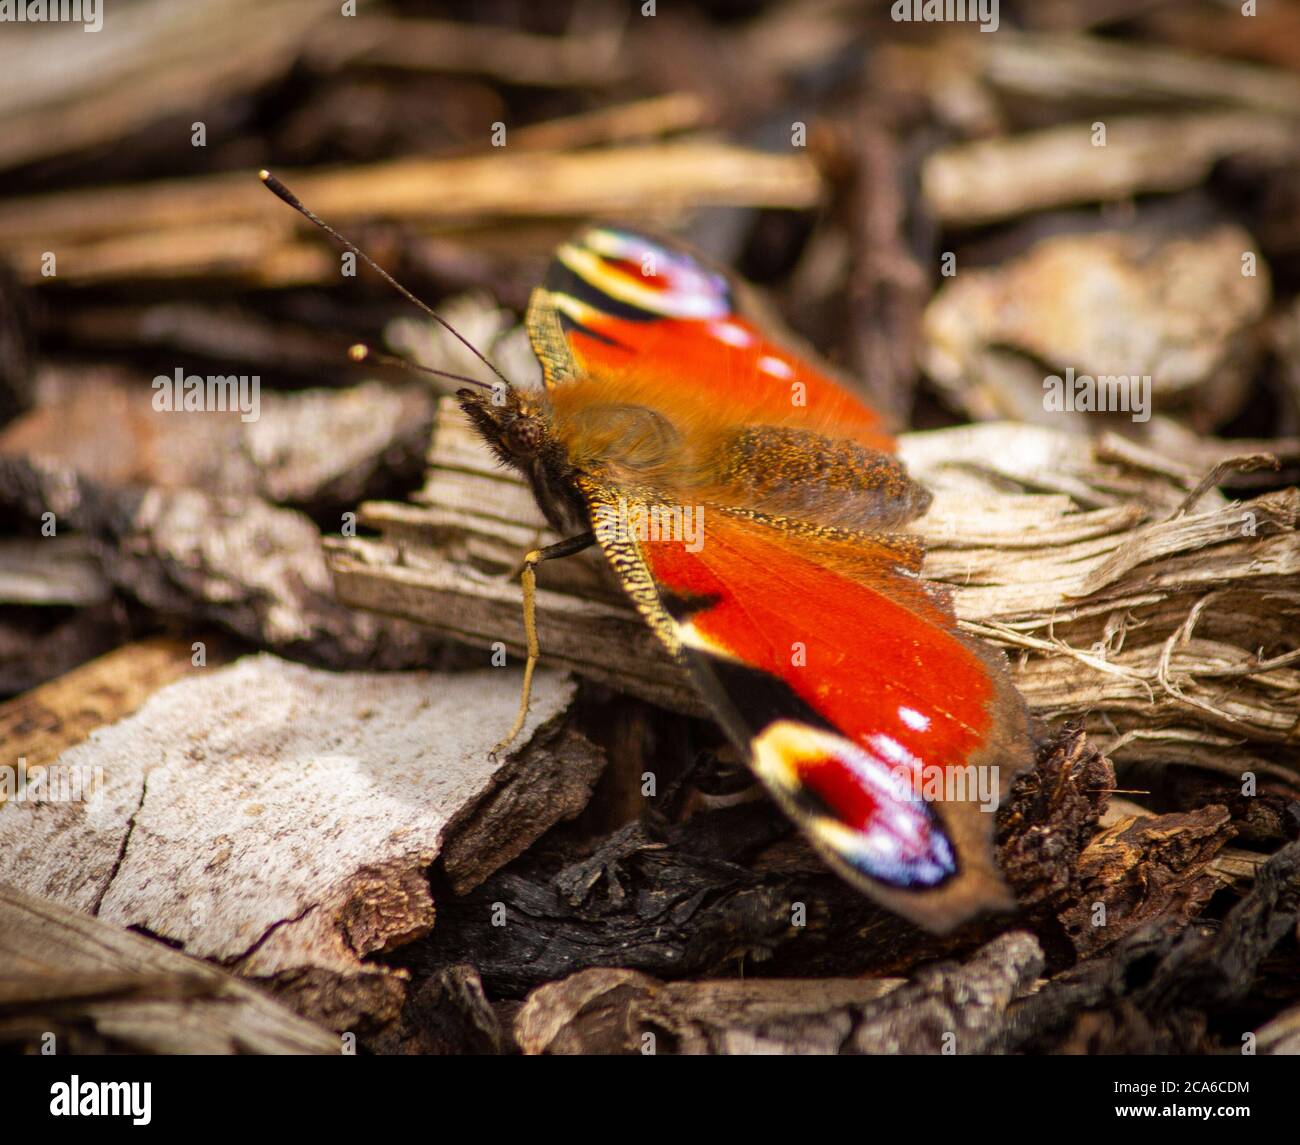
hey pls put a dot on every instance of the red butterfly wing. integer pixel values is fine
(632, 306)
(885, 734)
(882, 731)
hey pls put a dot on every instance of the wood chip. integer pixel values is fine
(57, 570)
(944, 1009)
(280, 819)
(228, 224)
(1177, 311)
(236, 562)
(973, 183)
(99, 989)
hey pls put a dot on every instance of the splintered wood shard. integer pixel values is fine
(100, 988)
(1168, 631)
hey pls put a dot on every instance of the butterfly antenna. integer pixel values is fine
(360, 352)
(276, 187)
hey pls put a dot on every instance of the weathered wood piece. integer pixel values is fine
(67, 93)
(1174, 310)
(581, 58)
(98, 988)
(624, 1012)
(1069, 67)
(322, 450)
(985, 181)
(888, 286)
(54, 571)
(236, 562)
(1146, 868)
(945, 1008)
(1281, 1035)
(280, 819)
(1152, 994)
(228, 226)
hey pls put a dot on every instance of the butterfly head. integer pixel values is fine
(513, 423)
(517, 427)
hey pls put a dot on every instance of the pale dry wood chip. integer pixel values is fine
(1000, 178)
(1178, 311)
(227, 224)
(271, 816)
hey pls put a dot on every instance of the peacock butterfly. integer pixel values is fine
(796, 606)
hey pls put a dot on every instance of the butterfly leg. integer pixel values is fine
(518, 570)
(528, 581)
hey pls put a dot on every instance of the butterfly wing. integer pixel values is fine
(887, 735)
(629, 309)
